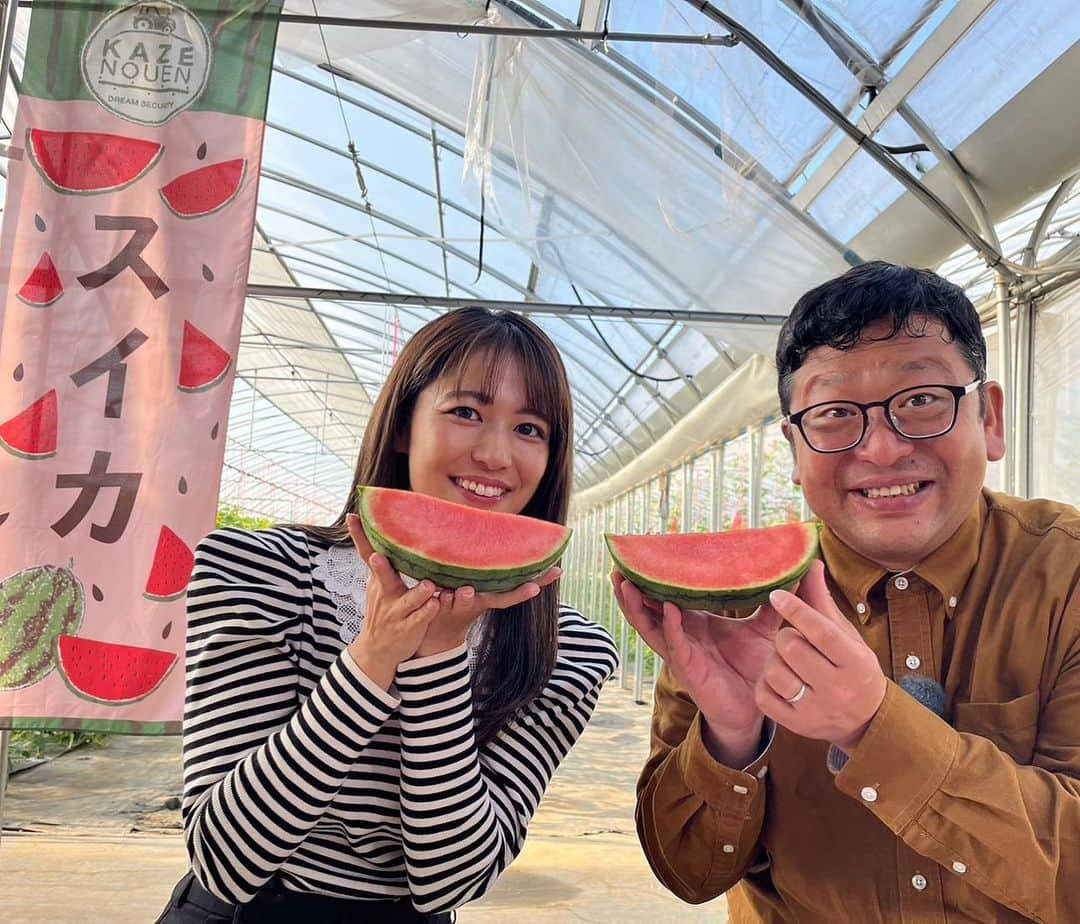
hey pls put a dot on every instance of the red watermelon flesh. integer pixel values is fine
(203, 364)
(205, 190)
(454, 545)
(171, 570)
(84, 163)
(716, 571)
(43, 285)
(104, 672)
(31, 434)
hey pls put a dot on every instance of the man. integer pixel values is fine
(900, 741)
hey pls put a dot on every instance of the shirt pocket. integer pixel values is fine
(1012, 725)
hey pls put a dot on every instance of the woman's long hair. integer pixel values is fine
(517, 652)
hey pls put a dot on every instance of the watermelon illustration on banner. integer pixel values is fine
(124, 256)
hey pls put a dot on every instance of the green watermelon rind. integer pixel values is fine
(29, 301)
(23, 453)
(206, 386)
(66, 191)
(445, 574)
(166, 599)
(190, 216)
(33, 304)
(158, 563)
(28, 456)
(68, 627)
(90, 698)
(716, 600)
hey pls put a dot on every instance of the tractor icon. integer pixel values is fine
(153, 18)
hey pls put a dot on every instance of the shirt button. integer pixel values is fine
(901, 583)
(869, 794)
(729, 848)
(959, 867)
(741, 790)
(919, 882)
(952, 602)
(913, 662)
(860, 608)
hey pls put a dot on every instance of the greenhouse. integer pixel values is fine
(653, 183)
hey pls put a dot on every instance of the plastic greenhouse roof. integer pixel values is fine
(657, 206)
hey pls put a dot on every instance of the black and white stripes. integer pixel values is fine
(297, 765)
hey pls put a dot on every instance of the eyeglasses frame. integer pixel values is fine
(958, 392)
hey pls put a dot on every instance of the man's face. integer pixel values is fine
(939, 479)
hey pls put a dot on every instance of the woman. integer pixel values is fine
(360, 750)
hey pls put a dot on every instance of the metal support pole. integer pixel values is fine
(10, 11)
(639, 645)
(624, 626)
(5, 736)
(582, 564)
(716, 490)
(571, 566)
(688, 497)
(1020, 454)
(590, 565)
(603, 607)
(757, 451)
(1004, 322)
(404, 299)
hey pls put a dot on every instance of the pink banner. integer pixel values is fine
(124, 257)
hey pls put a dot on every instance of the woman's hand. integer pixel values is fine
(459, 609)
(396, 617)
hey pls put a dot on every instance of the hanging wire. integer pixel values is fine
(483, 173)
(355, 157)
(634, 372)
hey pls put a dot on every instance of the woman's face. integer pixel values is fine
(486, 451)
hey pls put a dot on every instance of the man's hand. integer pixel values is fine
(821, 649)
(717, 661)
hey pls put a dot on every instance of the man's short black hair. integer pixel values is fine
(837, 313)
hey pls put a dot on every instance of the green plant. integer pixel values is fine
(234, 516)
(34, 744)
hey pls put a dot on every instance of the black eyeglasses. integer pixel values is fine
(915, 413)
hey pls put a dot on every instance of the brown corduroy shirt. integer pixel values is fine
(973, 819)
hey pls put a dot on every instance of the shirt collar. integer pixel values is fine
(947, 568)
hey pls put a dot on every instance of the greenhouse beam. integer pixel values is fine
(872, 147)
(684, 315)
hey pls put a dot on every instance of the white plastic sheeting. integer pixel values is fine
(577, 166)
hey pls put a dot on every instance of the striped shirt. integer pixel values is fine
(297, 765)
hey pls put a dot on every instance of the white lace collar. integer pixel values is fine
(345, 577)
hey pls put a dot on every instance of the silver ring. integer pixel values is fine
(799, 695)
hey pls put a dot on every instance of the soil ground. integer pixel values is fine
(95, 836)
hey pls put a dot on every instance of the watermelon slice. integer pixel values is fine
(43, 285)
(205, 190)
(86, 163)
(731, 570)
(31, 434)
(171, 570)
(203, 364)
(456, 546)
(103, 672)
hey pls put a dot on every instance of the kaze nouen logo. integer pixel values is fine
(148, 61)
